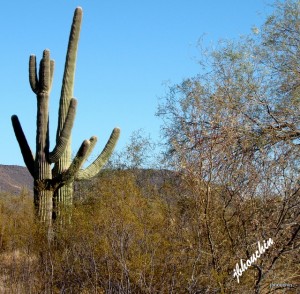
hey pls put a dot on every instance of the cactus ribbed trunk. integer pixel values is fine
(42, 197)
(43, 206)
(62, 203)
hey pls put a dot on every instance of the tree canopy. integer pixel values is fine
(240, 117)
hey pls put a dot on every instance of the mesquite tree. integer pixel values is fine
(53, 188)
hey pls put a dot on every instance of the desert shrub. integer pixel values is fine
(129, 237)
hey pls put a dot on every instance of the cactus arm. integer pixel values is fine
(33, 79)
(77, 162)
(69, 175)
(65, 134)
(68, 79)
(93, 140)
(93, 169)
(69, 72)
(45, 73)
(24, 147)
(51, 72)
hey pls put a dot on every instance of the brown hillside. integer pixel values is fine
(14, 178)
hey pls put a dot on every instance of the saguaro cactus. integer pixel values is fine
(56, 185)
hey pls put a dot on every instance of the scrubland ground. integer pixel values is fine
(131, 234)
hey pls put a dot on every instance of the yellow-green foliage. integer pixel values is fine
(131, 238)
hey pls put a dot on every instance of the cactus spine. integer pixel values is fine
(53, 189)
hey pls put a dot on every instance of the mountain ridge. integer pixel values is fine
(15, 178)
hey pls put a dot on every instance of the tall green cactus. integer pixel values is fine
(53, 189)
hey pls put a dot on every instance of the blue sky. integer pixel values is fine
(127, 51)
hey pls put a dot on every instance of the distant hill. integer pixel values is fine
(14, 178)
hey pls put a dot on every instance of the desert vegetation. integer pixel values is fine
(147, 232)
(184, 219)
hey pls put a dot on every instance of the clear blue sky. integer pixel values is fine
(127, 50)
